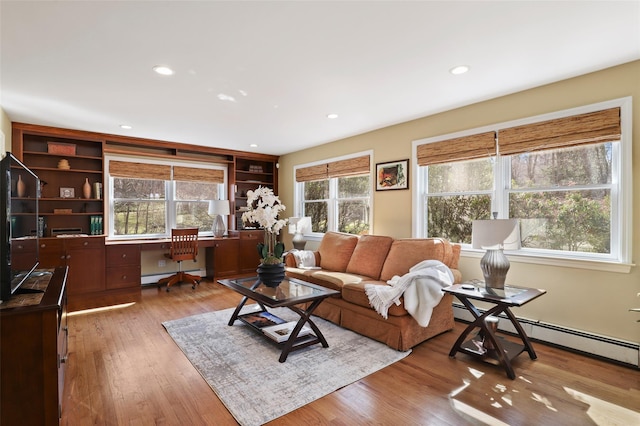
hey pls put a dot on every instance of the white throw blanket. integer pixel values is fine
(305, 259)
(421, 287)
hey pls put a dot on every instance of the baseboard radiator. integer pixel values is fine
(620, 351)
(153, 279)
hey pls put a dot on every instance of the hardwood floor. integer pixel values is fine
(124, 369)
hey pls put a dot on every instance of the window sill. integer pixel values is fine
(565, 262)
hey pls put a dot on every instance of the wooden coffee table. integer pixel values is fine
(299, 296)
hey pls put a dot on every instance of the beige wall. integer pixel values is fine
(588, 300)
(5, 126)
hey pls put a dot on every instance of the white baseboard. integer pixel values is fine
(589, 343)
(153, 279)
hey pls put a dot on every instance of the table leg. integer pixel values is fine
(305, 318)
(236, 312)
(523, 336)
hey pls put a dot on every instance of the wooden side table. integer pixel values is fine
(496, 348)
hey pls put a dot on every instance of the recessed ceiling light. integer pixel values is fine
(254, 145)
(332, 115)
(163, 70)
(125, 126)
(460, 69)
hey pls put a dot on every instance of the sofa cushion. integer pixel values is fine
(407, 252)
(336, 280)
(355, 293)
(369, 255)
(335, 250)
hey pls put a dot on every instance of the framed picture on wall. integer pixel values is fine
(392, 175)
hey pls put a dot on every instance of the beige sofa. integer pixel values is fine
(349, 262)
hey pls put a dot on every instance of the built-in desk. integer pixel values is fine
(224, 256)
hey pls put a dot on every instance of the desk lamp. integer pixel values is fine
(218, 208)
(494, 236)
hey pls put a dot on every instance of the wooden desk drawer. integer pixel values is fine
(83, 243)
(121, 255)
(122, 277)
(252, 235)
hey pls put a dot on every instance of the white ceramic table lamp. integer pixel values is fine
(494, 236)
(218, 208)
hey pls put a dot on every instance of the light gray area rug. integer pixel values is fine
(242, 367)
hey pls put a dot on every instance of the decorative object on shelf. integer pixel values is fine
(64, 164)
(67, 192)
(60, 148)
(42, 185)
(298, 226)
(494, 236)
(264, 209)
(393, 175)
(86, 189)
(97, 190)
(219, 208)
(21, 187)
(95, 225)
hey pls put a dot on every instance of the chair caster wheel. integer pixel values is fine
(193, 286)
(168, 289)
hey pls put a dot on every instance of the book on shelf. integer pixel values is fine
(261, 320)
(282, 332)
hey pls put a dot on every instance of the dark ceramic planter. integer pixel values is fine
(271, 275)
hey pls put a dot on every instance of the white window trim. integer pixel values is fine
(298, 190)
(108, 191)
(622, 226)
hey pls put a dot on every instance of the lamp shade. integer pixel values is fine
(220, 207)
(299, 225)
(496, 234)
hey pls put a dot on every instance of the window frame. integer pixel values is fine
(619, 260)
(332, 201)
(170, 188)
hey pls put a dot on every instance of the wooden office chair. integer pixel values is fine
(184, 246)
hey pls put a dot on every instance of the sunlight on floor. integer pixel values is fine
(103, 309)
(502, 398)
(604, 413)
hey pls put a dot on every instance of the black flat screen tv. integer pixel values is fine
(19, 196)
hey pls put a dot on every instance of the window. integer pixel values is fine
(336, 194)
(562, 177)
(149, 199)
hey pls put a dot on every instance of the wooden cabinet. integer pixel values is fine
(85, 258)
(123, 267)
(33, 352)
(250, 173)
(64, 165)
(248, 257)
(222, 258)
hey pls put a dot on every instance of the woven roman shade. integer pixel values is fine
(349, 167)
(125, 169)
(306, 174)
(593, 127)
(457, 149)
(197, 175)
(340, 168)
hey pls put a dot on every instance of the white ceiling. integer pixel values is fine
(88, 64)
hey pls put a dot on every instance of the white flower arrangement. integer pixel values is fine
(264, 209)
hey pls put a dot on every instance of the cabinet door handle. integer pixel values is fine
(68, 256)
(86, 243)
(124, 255)
(124, 277)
